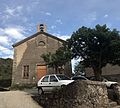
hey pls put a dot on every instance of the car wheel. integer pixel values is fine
(40, 91)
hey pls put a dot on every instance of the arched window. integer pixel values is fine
(41, 43)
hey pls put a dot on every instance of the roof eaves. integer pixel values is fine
(54, 37)
(34, 35)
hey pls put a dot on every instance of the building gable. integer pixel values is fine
(35, 35)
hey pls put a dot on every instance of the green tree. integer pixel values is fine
(96, 47)
(5, 72)
(5, 68)
(58, 59)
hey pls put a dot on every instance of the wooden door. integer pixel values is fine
(41, 71)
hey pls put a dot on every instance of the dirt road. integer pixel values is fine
(17, 99)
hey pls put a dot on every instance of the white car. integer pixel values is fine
(49, 82)
(109, 84)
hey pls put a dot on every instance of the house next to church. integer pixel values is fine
(28, 65)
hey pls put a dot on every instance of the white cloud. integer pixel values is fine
(48, 13)
(1, 31)
(10, 11)
(106, 15)
(7, 56)
(53, 27)
(59, 21)
(5, 50)
(15, 33)
(4, 40)
(7, 37)
(19, 8)
(64, 37)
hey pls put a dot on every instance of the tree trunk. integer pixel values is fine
(98, 73)
(56, 70)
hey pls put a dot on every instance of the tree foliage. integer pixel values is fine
(5, 68)
(5, 72)
(58, 59)
(96, 47)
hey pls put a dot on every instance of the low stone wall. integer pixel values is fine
(116, 90)
(79, 94)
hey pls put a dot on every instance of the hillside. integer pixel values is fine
(5, 71)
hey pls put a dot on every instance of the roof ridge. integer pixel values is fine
(34, 35)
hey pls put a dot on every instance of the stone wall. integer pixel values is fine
(116, 89)
(79, 94)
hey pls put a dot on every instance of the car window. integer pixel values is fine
(53, 79)
(62, 77)
(45, 79)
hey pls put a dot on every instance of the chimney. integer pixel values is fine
(41, 28)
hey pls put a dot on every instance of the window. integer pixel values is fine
(45, 79)
(26, 71)
(41, 43)
(53, 79)
(62, 77)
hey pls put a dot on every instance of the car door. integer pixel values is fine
(45, 83)
(53, 82)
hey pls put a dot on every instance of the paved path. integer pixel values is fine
(17, 99)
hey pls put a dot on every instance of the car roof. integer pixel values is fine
(53, 74)
(79, 76)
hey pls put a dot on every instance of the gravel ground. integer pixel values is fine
(17, 99)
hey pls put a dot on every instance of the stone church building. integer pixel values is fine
(28, 65)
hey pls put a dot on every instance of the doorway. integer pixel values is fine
(41, 71)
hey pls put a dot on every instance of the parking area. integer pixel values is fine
(17, 99)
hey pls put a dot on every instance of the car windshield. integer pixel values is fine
(62, 77)
(80, 78)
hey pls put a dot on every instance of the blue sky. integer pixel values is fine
(19, 18)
